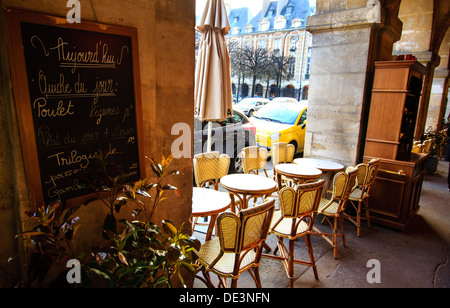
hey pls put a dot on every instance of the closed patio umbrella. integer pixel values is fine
(213, 99)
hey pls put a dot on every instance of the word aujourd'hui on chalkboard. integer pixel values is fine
(82, 99)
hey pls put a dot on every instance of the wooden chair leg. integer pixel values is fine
(207, 277)
(223, 283)
(335, 237)
(234, 283)
(358, 219)
(341, 218)
(254, 272)
(291, 263)
(307, 239)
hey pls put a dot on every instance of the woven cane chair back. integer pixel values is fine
(340, 182)
(210, 167)
(352, 175)
(302, 201)
(282, 153)
(373, 166)
(361, 177)
(246, 231)
(254, 158)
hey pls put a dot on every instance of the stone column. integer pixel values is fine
(435, 114)
(348, 37)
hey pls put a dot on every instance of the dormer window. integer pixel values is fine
(236, 19)
(235, 30)
(280, 22)
(297, 22)
(270, 12)
(289, 10)
(249, 29)
(264, 24)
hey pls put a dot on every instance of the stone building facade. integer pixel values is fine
(348, 38)
(280, 28)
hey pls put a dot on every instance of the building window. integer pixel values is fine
(264, 24)
(277, 46)
(289, 10)
(308, 66)
(297, 22)
(235, 30)
(249, 29)
(262, 44)
(280, 23)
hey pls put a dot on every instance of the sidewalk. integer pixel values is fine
(415, 258)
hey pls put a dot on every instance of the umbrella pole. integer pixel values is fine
(209, 144)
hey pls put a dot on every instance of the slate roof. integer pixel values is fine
(238, 17)
(298, 9)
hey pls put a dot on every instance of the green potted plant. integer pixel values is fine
(436, 151)
(49, 244)
(142, 255)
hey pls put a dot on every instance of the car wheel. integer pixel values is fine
(236, 164)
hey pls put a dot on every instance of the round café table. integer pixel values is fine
(328, 167)
(209, 203)
(246, 186)
(297, 173)
(322, 164)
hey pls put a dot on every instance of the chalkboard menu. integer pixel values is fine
(82, 98)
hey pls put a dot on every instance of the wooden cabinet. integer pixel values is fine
(395, 194)
(390, 134)
(393, 110)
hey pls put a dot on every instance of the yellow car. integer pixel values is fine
(281, 122)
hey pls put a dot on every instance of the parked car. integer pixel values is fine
(229, 136)
(249, 105)
(281, 122)
(284, 99)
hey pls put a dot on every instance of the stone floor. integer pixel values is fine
(415, 258)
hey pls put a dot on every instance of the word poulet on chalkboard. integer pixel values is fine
(82, 99)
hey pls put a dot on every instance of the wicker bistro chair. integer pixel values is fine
(343, 183)
(238, 246)
(254, 158)
(296, 219)
(282, 152)
(360, 194)
(209, 168)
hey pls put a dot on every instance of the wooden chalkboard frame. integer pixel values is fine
(13, 21)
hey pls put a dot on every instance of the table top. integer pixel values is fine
(209, 201)
(322, 164)
(298, 171)
(244, 183)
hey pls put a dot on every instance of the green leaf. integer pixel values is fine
(169, 228)
(123, 259)
(172, 254)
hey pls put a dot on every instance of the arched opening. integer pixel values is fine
(305, 92)
(259, 90)
(289, 91)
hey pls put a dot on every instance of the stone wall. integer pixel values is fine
(348, 37)
(166, 56)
